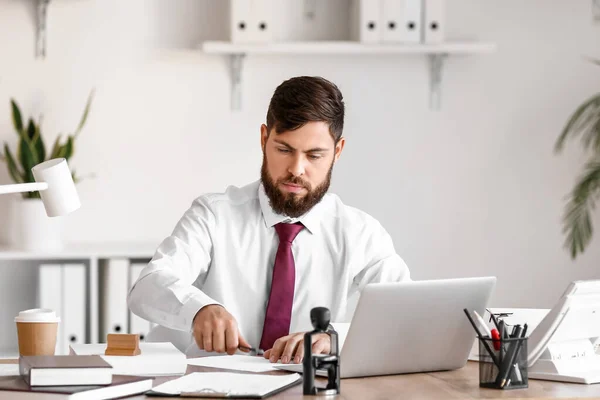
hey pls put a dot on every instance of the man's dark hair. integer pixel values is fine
(304, 99)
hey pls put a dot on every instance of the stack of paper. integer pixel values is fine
(236, 362)
(156, 359)
(226, 384)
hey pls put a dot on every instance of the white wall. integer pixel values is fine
(473, 189)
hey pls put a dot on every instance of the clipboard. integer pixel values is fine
(210, 393)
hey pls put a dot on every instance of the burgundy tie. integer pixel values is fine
(279, 308)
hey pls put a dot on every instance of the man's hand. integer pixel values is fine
(216, 330)
(290, 348)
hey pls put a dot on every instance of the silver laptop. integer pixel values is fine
(413, 326)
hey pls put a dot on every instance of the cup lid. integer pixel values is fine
(37, 315)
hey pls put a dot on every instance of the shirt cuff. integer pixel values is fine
(192, 306)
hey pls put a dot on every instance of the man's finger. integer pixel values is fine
(320, 346)
(231, 340)
(277, 349)
(299, 356)
(198, 337)
(207, 341)
(242, 341)
(219, 339)
(267, 354)
(290, 348)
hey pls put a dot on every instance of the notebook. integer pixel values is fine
(65, 370)
(226, 384)
(156, 359)
(121, 386)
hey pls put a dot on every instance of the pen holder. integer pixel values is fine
(508, 368)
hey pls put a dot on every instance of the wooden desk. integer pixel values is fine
(459, 384)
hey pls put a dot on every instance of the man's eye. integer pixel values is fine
(283, 150)
(315, 156)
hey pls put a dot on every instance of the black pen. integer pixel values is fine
(509, 359)
(494, 319)
(485, 343)
(252, 350)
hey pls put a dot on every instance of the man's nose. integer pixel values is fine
(296, 168)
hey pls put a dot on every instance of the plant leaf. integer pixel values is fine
(13, 170)
(578, 121)
(68, 148)
(577, 223)
(38, 143)
(16, 116)
(27, 158)
(55, 148)
(85, 113)
(30, 129)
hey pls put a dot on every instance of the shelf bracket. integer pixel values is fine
(236, 62)
(41, 28)
(436, 63)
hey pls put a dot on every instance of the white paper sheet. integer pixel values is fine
(236, 362)
(9, 369)
(226, 384)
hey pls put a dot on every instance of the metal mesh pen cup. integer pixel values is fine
(507, 368)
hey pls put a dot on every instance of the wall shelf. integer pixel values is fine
(436, 53)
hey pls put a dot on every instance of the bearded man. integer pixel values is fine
(242, 269)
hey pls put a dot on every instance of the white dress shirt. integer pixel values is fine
(223, 249)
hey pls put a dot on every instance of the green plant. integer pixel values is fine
(577, 224)
(31, 149)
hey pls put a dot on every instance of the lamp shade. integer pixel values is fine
(61, 197)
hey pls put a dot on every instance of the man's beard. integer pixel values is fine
(291, 204)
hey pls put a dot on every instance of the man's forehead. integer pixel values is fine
(313, 134)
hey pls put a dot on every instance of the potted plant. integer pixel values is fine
(577, 224)
(30, 228)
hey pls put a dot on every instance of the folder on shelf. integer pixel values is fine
(74, 304)
(411, 17)
(391, 20)
(251, 21)
(365, 16)
(50, 295)
(261, 18)
(137, 324)
(435, 21)
(114, 279)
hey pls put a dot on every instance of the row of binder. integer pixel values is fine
(398, 21)
(371, 21)
(117, 276)
(64, 289)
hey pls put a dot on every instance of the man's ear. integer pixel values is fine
(338, 149)
(264, 135)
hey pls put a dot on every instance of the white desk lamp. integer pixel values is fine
(54, 182)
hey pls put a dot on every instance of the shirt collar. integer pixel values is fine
(310, 220)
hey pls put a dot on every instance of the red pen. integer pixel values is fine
(496, 339)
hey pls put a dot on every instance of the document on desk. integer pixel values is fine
(225, 384)
(236, 362)
(9, 369)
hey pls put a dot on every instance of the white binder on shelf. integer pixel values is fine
(74, 304)
(411, 21)
(365, 21)
(251, 21)
(262, 20)
(113, 296)
(435, 21)
(137, 324)
(391, 20)
(50, 295)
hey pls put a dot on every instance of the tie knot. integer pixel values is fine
(288, 232)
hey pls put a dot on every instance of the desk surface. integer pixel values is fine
(459, 384)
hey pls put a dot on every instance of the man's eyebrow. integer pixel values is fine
(315, 150)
